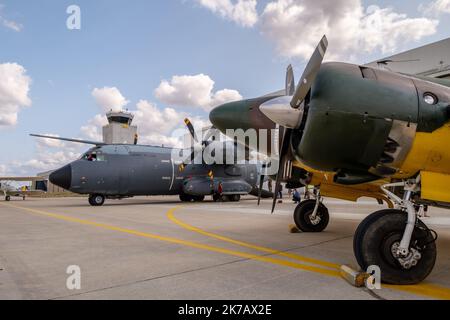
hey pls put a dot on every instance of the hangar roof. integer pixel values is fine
(431, 60)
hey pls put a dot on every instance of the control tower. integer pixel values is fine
(119, 129)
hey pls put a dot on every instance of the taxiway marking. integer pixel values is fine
(294, 256)
(327, 272)
(428, 290)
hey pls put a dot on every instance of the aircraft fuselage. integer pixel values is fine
(126, 170)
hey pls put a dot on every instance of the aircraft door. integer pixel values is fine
(121, 170)
(152, 174)
(165, 174)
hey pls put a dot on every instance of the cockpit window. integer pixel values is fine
(94, 156)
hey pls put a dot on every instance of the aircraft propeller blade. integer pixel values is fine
(290, 81)
(310, 73)
(283, 154)
(190, 128)
(209, 134)
(261, 183)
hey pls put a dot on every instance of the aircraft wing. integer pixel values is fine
(18, 193)
(22, 179)
(95, 143)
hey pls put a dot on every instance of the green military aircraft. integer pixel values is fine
(352, 129)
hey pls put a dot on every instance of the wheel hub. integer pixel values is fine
(408, 261)
(315, 220)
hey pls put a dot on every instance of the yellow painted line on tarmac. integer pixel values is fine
(427, 290)
(326, 272)
(186, 226)
(424, 289)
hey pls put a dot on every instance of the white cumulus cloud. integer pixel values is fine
(296, 27)
(193, 91)
(435, 8)
(242, 12)
(43, 143)
(109, 98)
(14, 89)
(93, 129)
(45, 160)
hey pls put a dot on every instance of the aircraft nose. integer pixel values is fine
(244, 114)
(219, 117)
(233, 115)
(62, 177)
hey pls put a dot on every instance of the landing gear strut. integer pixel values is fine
(312, 215)
(396, 240)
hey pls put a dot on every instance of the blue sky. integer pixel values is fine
(134, 45)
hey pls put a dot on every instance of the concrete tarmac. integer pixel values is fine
(159, 248)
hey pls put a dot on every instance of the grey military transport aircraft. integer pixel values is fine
(119, 171)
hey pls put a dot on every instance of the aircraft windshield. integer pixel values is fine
(94, 155)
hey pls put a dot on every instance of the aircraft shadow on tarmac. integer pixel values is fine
(146, 203)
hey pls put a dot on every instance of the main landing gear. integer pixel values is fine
(312, 215)
(189, 198)
(396, 240)
(96, 200)
(226, 198)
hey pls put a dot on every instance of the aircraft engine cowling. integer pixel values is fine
(206, 186)
(361, 122)
(198, 186)
(232, 186)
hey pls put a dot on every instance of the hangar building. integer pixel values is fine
(431, 60)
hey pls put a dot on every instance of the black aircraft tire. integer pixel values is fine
(304, 211)
(360, 231)
(185, 198)
(8, 198)
(373, 243)
(199, 198)
(96, 200)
